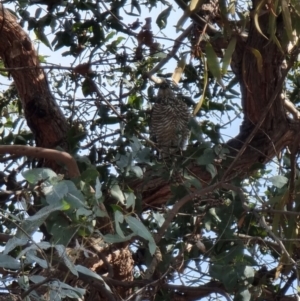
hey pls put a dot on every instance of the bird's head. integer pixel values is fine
(166, 89)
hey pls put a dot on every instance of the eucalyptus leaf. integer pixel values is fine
(36, 175)
(43, 213)
(117, 193)
(74, 196)
(119, 219)
(14, 242)
(162, 18)
(130, 199)
(55, 193)
(8, 262)
(88, 272)
(278, 181)
(63, 254)
(139, 229)
(98, 192)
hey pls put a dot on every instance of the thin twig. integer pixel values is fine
(261, 219)
(139, 291)
(35, 286)
(102, 98)
(126, 28)
(171, 214)
(172, 53)
(198, 19)
(263, 223)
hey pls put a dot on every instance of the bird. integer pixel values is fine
(169, 121)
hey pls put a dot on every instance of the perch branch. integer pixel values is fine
(39, 152)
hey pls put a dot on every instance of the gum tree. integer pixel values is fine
(219, 219)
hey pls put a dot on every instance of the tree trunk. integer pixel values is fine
(42, 113)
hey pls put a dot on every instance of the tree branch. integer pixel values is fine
(39, 152)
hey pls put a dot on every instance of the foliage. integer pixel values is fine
(216, 240)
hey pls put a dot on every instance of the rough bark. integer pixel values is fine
(42, 113)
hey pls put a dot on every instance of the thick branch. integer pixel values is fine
(43, 115)
(50, 154)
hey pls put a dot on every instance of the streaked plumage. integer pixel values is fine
(169, 121)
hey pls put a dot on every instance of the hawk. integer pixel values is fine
(169, 121)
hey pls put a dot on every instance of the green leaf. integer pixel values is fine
(14, 242)
(229, 279)
(212, 211)
(119, 219)
(144, 156)
(39, 32)
(110, 36)
(98, 191)
(61, 250)
(74, 197)
(192, 181)
(88, 272)
(207, 157)
(64, 289)
(55, 193)
(135, 4)
(213, 64)
(159, 218)
(139, 229)
(31, 257)
(130, 200)
(212, 170)
(8, 262)
(37, 278)
(246, 273)
(161, 20)
(117, 193)
(83, 212)
(98, 212)
(90, 175)
(278, 181)
(257, 12)
(135, 144)
(228, 54)
(38, 12)
(137, 171)
(43, 213)
(60, 229)
(242, 295)
(23, 281)
(87, 87)
(259, 59)
(122, 161)
(36, 175)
